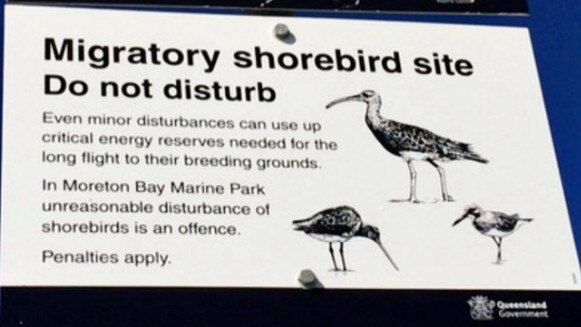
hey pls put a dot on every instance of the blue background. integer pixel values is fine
(555, 27)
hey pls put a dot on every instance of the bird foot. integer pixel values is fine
(341, 270)
(448, 198)
(499, 262)
(409, 200)
(414, 200)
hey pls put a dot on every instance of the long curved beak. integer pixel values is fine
(460, 219)
(387, 255)
(356, 97)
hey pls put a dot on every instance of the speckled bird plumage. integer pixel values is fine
(339, 225)
(331, 225)
(404, 140)
(411, 142)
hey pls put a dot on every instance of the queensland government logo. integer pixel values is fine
(481, 308)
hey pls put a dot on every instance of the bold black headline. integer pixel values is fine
(101, 57)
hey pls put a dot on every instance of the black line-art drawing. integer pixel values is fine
(411, 142)
(339, 225)
(493, 223)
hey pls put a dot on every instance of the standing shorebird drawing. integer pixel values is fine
(493, 223)
(339, 225)
(411, 142)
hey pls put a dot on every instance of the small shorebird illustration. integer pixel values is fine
(493, 223)
(411, 143)
(339, 225)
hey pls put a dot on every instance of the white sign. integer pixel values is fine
(165, 149)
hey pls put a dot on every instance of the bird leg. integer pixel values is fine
(342, 257)
(413, 176)
(499, 255)
(498, 246)
(333, 256)
(445, 196)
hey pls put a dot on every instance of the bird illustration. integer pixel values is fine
(411, 143)
(339, 225)
(493, 223)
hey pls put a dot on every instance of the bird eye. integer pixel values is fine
(368, 94)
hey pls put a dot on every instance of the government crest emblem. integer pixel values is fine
(481, 308)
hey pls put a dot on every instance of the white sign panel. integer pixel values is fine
(164, 149)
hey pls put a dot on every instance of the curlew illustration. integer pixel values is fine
(411, 143)
(339, 225)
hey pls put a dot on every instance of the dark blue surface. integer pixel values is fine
(555, 27)
(507, 6)
(171, 307)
